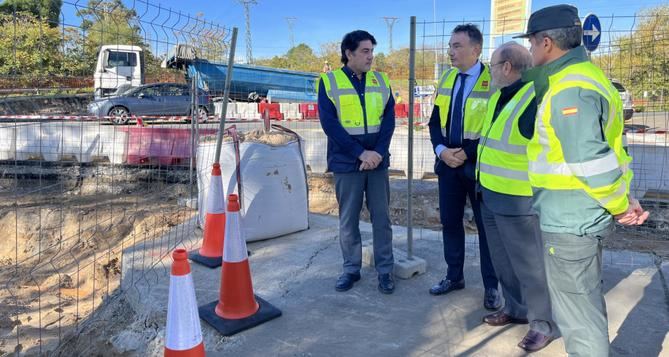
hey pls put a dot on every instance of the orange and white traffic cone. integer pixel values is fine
(183, 334)
(238, 308)
(214, 223)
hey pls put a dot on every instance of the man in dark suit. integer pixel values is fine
(455, 129)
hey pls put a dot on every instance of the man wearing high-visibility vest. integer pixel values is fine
(511, 225)
(455, 128)
(357, 113)
(579, 173)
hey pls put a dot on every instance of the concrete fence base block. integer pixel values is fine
(405, 268)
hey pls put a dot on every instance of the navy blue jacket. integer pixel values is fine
(343, 149)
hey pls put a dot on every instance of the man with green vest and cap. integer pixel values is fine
(511, 225)
(455, 128)
(579, 173)
(357, 113)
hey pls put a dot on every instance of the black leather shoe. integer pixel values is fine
(491, 299)
(386, 283)
(345, 281)
(446, 286)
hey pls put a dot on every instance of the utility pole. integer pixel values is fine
(390, 21)
(291, 21)
(247, 12)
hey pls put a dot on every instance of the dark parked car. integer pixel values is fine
(151, 100)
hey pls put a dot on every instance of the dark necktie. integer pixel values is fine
(455, 134)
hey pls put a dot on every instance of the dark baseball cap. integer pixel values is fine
(552, 17)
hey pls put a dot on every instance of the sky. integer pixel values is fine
(318, 23)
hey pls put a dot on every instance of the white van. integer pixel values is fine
(118, 66)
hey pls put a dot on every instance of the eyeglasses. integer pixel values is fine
(498, 63)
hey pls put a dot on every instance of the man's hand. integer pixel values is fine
(370, 160)
(453, 157)
(634, 216)
(460, 154)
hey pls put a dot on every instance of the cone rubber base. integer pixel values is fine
(227, 327)
(209, 262)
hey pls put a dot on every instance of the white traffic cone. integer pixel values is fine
(238, 308)
(210, 254)
(183, 334)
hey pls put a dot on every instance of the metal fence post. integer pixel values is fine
(226, 95)
(412, 83)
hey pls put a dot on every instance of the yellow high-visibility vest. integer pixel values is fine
(475, 104)
(343, 95)
(547, 166)
(502, 152)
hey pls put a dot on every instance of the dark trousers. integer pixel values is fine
(350, 189)
(516, 249)
(454, 187)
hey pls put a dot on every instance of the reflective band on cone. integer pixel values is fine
(238, 308)
(236, 300)
(214, 224)
(183, 334)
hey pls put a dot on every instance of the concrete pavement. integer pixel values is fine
(296, 273)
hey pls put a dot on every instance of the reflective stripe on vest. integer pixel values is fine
(548, 168)
(475, 103)
(502, 160)
(346, 100)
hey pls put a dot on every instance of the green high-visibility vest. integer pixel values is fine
(547, 166)
(502, 152)
(475, 104)
(346, 100)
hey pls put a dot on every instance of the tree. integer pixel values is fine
(640, 60)
(29, 46)
(331, 52)
(299, 58)
(47, 10)
(109, 22)
(302, 57)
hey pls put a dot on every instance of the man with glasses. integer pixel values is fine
(511, 225)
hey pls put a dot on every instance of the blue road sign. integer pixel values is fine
(592, 31)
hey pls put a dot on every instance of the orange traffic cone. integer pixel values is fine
(214, 223)
(183, 334)
(238, 308)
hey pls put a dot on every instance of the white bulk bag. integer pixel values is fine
(274, 185)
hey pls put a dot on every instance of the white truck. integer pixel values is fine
(118, 67)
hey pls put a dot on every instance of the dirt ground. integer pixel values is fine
(60, 252)
(62, 239)
(653, 237)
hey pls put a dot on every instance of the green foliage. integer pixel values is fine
(299, 58)
(106, 22)
(396, 63)
(640, 59)
(46, 10)
(29, 46)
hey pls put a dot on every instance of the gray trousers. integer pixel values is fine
(574, 272)
(516, 252)
(350, 189)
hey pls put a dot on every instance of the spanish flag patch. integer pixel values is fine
(570, 111)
